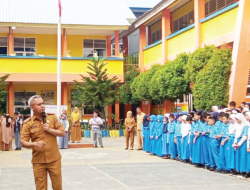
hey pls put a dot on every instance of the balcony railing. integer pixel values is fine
(131, 60)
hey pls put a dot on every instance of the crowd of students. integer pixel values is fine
(217, 140)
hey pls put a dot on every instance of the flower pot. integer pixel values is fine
(116, 133)
(87, 133)
(121, 133)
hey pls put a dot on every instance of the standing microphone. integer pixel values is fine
(44, 117)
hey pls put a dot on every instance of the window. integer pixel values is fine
(156, 36)
(76, 103)
(183, 22)
(90, 45)
(113, 48)
(3, 46)
(25, 46)
(21, 102)
(215, 5)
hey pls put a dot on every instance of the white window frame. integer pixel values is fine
(5, 46)
(21, 106)
(93, 45)
(24, 52)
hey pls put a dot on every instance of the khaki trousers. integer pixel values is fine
(140, 139)
(130, 137)
(40, 174)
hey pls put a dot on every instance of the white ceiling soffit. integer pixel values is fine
(153, 13)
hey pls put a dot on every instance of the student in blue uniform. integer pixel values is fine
(197, 141)
(185, 129)
(178, 136)
(214, 144)
(171, 133)
(145, 133)
(165, 140)
(248, 150)
(231, 150)
(205, 131)
(240, 143)
(224, 134)
(191, 140)
(152, 128)
(220, 123)
(158, 135)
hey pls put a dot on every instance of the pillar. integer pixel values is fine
(127, 107)
(117, 44)
(142, 44)
(117, 111)
(146, 108)
(125, 46)
(64, 94)
(109, 114)
(10, 99)
(10, 41)
(199, 13)
(167, 106)
(109, 54)
(165, 22)
(149, 35)
(241, 54)
(64, 44)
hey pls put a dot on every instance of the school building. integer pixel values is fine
(176, 26)
(28, 43)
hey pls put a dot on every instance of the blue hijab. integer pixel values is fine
(159, 118)
(146, 121)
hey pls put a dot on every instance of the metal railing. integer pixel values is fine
(131, 60)
(215, 5)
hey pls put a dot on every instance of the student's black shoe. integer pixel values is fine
(20, 149)
(102, 146)
(16, 149)
(211, 169)
(247, 175)
(207, 167)
(218, 171)
(95, 146)
(232, 172)
(225, 171)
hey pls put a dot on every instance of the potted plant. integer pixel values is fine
(13, 53)
(68, 53)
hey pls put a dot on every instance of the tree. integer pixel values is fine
(212, 83)
(140, 86)
(174, 83)
(125, 94)
(196, 62)
(97, 90)
(3, 93)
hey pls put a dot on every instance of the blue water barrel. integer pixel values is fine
(87, 133)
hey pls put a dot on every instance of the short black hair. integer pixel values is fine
(189, 118)
(226, 115)
(243, 103)
(171, 115)
(232, 103)
(212, 118)
(15, 113)
(221, 114)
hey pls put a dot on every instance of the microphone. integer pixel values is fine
(44, 117)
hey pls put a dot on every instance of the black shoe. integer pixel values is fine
(16, 149)
(217, 171)
(247, 175)
(20, 149)
(207, 167)
(139, 149)
(212, 169)
(102, 146)
(95, 146)
(232, 172)
(225, 171)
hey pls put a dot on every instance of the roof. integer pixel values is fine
(74, 12)
(142, 3)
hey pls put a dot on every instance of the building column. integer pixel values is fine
(125, 46)
(117, 111)
(241, 54)
(149, 35)
(142, 44)
(167, 106)
(146, 108)
(165, 22)
(109, 114)
(10, 41)
(64, 44)
(109, 54)
(10, 99)
(117, 44)
(199, 13)
(127, 107)
(64, 94)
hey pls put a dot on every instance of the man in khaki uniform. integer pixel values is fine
(139, 117)
(46, 157)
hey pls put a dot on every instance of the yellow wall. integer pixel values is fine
(185, 9)
(9, 65)
(152, 54)
(35, 88)
(45, 44)
(75, 43)
(219, 25)
(181, 42)
(155, 27)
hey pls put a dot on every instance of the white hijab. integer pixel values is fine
(232, 126)
(216, 109)
(248, 113)
(240, 127)
(185, 127)
(167, 115)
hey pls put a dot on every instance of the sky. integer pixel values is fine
(142, 3)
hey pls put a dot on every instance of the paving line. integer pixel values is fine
(108, 176)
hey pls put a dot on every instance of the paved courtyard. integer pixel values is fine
(114, 168)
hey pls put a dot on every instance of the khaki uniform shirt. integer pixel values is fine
(33, 129)
(140, 120)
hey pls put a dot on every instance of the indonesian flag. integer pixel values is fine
(60, 8)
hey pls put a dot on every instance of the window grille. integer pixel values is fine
(3, 45)
(183, 22)
(156, 36)
(91, 45)
(25, 46)
(215, 5)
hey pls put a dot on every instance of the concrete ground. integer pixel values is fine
(114, 168)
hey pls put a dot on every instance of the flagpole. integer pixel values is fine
(59, 62)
